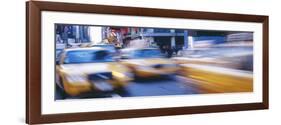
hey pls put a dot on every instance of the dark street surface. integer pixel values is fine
(172, 85)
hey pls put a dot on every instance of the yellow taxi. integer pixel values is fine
(81, 70)
(236, 57)
(218, 69)
(147, 62)
(214, 79)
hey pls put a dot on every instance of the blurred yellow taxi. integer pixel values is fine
(214, 79)
(236, 57)
(81, 70)
(147, 62)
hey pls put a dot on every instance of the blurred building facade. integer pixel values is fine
(152, 37)
(72, 34)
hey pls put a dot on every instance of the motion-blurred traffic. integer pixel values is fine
(99, 62)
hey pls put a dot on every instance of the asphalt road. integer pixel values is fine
(172, 85)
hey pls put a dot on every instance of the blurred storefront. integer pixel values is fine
(172, 38)
(67, 35)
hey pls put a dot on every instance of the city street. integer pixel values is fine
(172, 85)
(115, 62)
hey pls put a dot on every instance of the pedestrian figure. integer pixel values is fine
(58, 38)
(169, 52)
(65, 35)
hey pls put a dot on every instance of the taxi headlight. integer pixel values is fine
(76, 78)
(121, 75)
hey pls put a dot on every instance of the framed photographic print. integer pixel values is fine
(93, 62)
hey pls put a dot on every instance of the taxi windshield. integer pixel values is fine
(146, 53)
(87, 56)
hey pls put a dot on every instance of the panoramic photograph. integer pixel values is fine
(116, 62)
